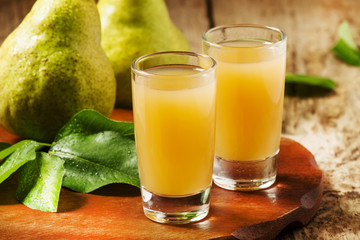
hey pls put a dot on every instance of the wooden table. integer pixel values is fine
(328, 126)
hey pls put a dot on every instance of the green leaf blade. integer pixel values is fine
(21, 153)
(90, 121)
(10, 149)
(97, 151)
(40, 182)
(344, 33)
(345, 48)
(310, 80)
(307, 86)
(346, 53)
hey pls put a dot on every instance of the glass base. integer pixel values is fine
(176, 210)
(245, 175)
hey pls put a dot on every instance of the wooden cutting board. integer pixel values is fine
(115, 211)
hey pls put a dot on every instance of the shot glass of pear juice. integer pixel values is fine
(174, 119)
(250, 92)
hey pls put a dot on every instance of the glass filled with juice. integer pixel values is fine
(250, 93)
(174, 119)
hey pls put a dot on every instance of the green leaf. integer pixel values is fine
(22, 152)
(307, 86)
(345, 34)
(97, 152)
(90, 121)
(11, 148)
(345, 48)
(343, 51)
(40, 182)
(310, 80)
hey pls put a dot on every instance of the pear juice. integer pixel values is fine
(174, 122)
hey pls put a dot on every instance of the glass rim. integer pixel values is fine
(245, 25)
(144, 73)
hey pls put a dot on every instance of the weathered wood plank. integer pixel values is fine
(191, 18)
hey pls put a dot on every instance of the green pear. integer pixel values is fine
(52, 66)
(132, 28)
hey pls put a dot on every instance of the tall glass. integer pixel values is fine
(174, 117)
(250, 92)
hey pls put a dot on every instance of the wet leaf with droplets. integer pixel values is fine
(90, 151)
(97, 151)
(40, 182)
(21, 153)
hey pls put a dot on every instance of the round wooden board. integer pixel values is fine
(115, 211)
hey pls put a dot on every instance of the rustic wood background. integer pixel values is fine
(328, 126)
